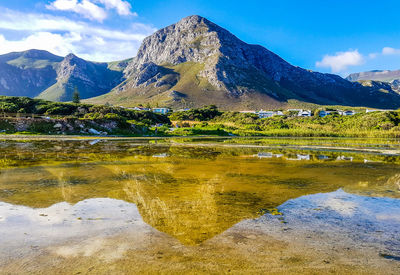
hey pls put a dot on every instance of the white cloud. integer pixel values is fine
(61, 36)
(55, 43)
(390, 51)
(88, 8)
(122, 7)
(84, 8)
(341, 61)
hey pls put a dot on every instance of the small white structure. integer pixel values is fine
(305, 113)
(139, 109)
(301, 112)
(344, 158)
(303, 157)
(300, 157)
(269, 155)
(346, 113)
(267, 114)
(163, 155)
(248, 112)
(162, 111)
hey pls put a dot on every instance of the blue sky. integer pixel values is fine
(330, 36)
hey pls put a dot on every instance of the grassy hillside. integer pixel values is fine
(32, 59)
(207, 120)
(30, 63)
(191, 91)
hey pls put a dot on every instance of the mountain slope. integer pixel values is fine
(36, 73)
(27, 73)
(196, 62)
(91, 79)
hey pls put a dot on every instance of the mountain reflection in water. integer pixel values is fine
(57, 192)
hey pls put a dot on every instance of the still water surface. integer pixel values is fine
(200, 206)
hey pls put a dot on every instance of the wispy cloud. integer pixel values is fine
(390, 51)
(341, 61)
(91, 9)
(55, 43)
(122, 7)
(61, 36)
(84, 8)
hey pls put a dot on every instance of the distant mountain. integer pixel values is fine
(41, 74)
(384, 76)
(382, 80)
(27, 73)
(195, 62)
(91, 79)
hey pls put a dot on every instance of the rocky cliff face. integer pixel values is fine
(232, 70)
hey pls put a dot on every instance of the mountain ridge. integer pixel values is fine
(234, 73)
(376, 75)
(190, 64)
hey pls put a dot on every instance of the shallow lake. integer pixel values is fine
(201, 205)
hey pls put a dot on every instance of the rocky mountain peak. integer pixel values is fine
(226, 58)
(188, 40)
(72, 59)
(71, 66)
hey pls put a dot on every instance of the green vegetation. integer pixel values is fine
(202, 121)
(73, 117)
(202, 114)
(30, 63)
(76, 98)
(375, 124)
(41, 107)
